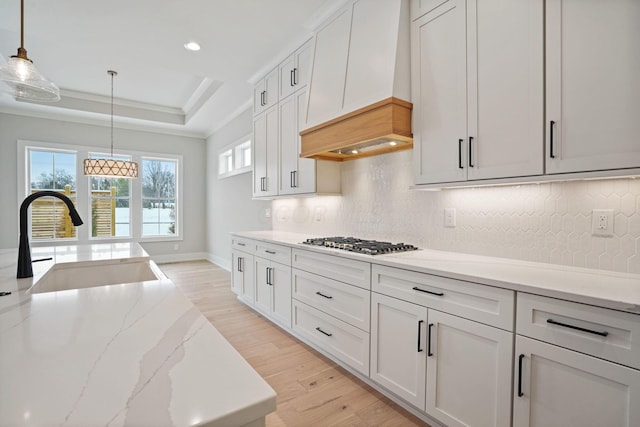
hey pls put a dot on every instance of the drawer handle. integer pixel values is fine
(415, 288)
(578, 328)
(520, 393)
(270, 252)
(241, 244)
(323, 332)
(429, 353)
(323, 295)
(420, 322)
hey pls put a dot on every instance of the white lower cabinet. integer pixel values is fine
(398, 347)
(556, 387)
(242, 280)
(468, 372)
(273, 290)
(456, 370)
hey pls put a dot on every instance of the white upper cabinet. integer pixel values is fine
(439, 85)
(297, 175)
(265, 153)
(361, 55)
(293, 72)
(265, 92)
(593, 85)
(477, 81)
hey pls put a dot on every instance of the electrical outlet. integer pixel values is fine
(176, 247)
(602, 222)
(267, 212)
(449, 217)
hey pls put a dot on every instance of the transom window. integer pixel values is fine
(235, 158)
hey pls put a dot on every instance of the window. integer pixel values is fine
(110, 204)
(56, 171)
(158, 197)
(235, 158)
(143, 209)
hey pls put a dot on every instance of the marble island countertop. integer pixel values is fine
(125, 354)
(619, 291)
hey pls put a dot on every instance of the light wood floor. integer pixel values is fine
(312, 390)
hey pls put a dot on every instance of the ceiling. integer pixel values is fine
(160, 85)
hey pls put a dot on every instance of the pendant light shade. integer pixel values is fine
(21, 76)
(111, 168)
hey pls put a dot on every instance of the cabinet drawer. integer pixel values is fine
(348, 303)
(604, 333)
(341, 340)
(243, 244)
(357, 273)
(484, 304)
(277, 253)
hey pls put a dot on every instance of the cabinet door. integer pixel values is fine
(560, 387)
(593, 89)
(398, 347)
(271, 89)
(238, 260)
(439, 76)
(281, 293)
(263, 285)
(294, 71)
(468, 372)
(242, 280)
(297, 175)
(288, 145)
(265, 149)
(329, 66)
(259, 97)
(286, 76)
(302, 66)
(505, 88)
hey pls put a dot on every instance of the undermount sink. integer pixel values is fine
(62, 277)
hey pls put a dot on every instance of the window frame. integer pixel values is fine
(83, 193)
(236, 149)
(178, 193)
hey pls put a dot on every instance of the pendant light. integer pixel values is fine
(111, 168)
(22, 77)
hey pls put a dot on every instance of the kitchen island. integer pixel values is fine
(125, 354)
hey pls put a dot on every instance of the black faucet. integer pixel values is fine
(24, 253)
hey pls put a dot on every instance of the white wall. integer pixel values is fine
(540, 222)
(14, 128)
(229, 204)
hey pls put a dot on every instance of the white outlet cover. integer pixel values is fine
(449, 217)
(602, 222)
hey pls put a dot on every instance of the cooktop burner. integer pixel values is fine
(369, 247)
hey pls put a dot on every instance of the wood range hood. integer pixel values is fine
(379, 128)
(359, 87)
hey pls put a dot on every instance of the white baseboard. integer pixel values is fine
(220, 261)
(167, 258)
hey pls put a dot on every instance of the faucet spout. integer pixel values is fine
(24, 252)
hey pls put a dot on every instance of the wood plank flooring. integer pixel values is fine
(312, 390)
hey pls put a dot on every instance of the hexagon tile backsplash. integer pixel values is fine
(549, 222)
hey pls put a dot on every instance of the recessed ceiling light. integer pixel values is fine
(192, 46)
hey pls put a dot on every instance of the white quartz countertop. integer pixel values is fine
(619, 291)
(127, 354)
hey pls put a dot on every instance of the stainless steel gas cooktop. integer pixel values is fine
(369, 247)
